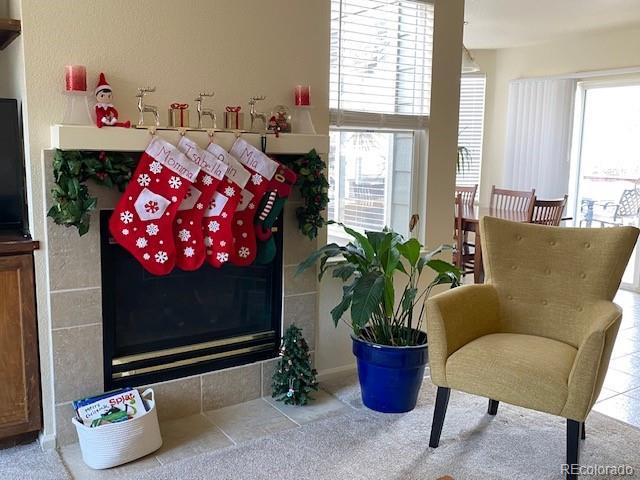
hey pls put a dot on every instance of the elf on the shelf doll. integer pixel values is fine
(106, 114)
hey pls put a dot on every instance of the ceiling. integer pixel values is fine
(514, 23)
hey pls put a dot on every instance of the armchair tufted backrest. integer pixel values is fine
(545, 276)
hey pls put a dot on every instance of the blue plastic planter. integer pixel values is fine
(390, 377)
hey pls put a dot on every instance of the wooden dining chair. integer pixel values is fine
(468, 193)
(548, 212)
(463, 254)
(515, 200)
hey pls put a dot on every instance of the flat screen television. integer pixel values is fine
(12, 190)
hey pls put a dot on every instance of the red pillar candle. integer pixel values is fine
(75, 78)
(302, 95)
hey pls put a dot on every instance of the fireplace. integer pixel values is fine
(185, 323)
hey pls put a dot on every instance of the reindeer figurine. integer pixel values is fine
(142, 108)
(205, 112)
(255, 115)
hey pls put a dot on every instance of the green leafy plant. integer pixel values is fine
(72, 204)
(371, 262)
(314, 189)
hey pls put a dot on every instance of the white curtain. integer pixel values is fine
(539, 131)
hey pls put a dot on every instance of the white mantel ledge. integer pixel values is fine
(89, 137)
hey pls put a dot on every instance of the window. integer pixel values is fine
(380, 87)
(472, 91)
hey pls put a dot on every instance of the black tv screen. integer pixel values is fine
(11, 168)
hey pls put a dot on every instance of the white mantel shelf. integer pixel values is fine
(87, 137)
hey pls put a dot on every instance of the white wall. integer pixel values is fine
(577, 53)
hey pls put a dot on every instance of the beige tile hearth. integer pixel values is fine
(250, 420)
(185, 437)
(228, 387)
(177, 398)
(72, 458)
(322, 406)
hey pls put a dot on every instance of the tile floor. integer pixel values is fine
(620, 396)
(212, 430)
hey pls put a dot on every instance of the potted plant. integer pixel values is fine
(390, 347)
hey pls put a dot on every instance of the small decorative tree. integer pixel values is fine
(294, 378)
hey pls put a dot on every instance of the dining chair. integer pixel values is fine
(548, 212)
(463, 254)
(539, 333)
(468, 193)
(516, 200)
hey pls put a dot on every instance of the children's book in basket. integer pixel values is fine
(110, 407)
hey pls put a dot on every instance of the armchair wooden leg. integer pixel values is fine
(573, 446)
(493, 407)
(442, 400)
(583, 432)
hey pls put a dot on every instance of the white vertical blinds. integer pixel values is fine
(470, 129)
(538, 143)
(380, 58)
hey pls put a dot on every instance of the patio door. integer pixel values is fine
(606, 167)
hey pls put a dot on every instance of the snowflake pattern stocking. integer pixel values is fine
(216, 224)
(142, 221)
(262, 170)
(187, 229)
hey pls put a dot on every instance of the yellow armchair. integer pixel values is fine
(539, 333)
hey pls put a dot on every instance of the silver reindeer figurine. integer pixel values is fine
(255, 115)
(205, 112)
(142, 108)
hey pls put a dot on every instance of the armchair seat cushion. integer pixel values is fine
(524, 370)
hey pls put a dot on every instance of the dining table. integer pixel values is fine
(471, 215)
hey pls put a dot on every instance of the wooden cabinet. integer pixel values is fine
(20, 409)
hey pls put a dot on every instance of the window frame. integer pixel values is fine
(418, 125)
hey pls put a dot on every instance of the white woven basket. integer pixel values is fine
(117, 443)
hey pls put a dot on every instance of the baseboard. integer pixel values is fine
(323, 374)
(47, 442)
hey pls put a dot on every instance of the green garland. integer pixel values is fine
(71, 169)
(314, 189)
(73, 205)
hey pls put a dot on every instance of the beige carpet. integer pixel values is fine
(363, 445)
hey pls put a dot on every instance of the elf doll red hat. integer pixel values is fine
(103, 85)
(106, 114)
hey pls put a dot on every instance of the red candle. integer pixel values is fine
(75, 77)
(302, 94)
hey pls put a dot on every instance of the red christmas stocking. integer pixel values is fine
(143, 218)
(262, 170)
(187, 229)
(216, 224)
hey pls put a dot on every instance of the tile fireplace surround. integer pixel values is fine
(73, 292)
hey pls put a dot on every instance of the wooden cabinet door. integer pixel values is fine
(19, 366)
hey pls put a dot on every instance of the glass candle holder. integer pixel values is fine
(302, 95)
(75, 78)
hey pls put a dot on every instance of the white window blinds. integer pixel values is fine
(381, 62)
(472, 92)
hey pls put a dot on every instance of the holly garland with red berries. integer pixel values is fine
(72, 204)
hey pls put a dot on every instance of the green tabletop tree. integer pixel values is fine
(294, 377)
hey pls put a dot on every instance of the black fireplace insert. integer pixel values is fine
(185, 323)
